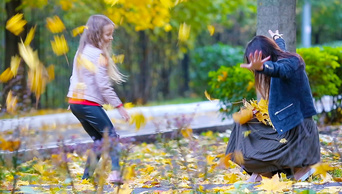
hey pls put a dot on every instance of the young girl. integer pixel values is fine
(90, 88)
(292, 146)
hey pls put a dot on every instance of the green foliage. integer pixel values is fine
(211, 58)
(231, 85)
(321, 67)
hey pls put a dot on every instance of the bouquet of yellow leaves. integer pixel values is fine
(252, 109)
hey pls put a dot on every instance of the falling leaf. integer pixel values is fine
(16, 24)
(82, 61)
(78, 30)
(6, 75)
(184, 32)
(167, 28)
(29, 56)
(283, 140)
(274, 185)
(29, 36)
(15, 62)
(128, 105)
(238, 157)
(138, 119)
(207, 95)
(243, 116)
(211, 29)
(59, 45)
(11, 102)
(250, 86)
(55, 24)
(322, 168)
(224, 160)
(118, 58)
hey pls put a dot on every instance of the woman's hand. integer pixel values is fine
(256, 61)
(275, 35)
(124, 113)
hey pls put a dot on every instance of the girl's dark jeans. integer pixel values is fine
(96, 122)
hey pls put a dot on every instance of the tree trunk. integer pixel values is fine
(144, 76)
(184, 87)
(278, 15)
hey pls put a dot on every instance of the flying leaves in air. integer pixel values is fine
(59, 45)
(207, 95)
(138, 119)
(82, 61)
(11, 102)
(184, 32)
(211, 29)
(30, 36)
(16, 24)
(78, 30)
(55, 24)
(118, 58)
(6, 75)
(29, 56)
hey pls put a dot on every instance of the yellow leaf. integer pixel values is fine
(283, 140)
(11, 102)
(139, 120)
(51, 72)
(6, 75)
(246, 133)
(65, 4)
(230, 178)
(187, 133)
(224, 161)
(184, 32)
(243, 116)
(207, 95)
(211, 29)
(322, 168)
(78, 30)
(29, 36)
(59, 45)
(118, 58)
(86, 63)
(130, 172)
(210, 159)
(16, 24)
(167, 27)
(29, 56)
(55, 24)
(37, 80)
(128, 105)
(274, 185)
(238, 157)
(107, 107)
(15, 62)
(250, 86)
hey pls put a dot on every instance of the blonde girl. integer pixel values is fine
(90, 88)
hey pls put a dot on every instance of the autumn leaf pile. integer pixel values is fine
(166, 166)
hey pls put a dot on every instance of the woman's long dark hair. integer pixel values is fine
(268, 48)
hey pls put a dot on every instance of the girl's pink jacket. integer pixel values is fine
(92, 85)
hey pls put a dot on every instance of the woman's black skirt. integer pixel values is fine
(264, 150)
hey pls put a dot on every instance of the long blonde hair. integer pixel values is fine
(93, 35)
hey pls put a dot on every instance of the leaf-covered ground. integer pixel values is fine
(185, 165)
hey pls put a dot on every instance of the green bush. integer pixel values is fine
(211, 58)
(230, 85)
(321, 66)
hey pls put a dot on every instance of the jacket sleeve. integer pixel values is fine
(283, 68)
(281, 43)
(104, 83)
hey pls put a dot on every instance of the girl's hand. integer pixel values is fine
(256, 63)
(124, 113)
(275, 34)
